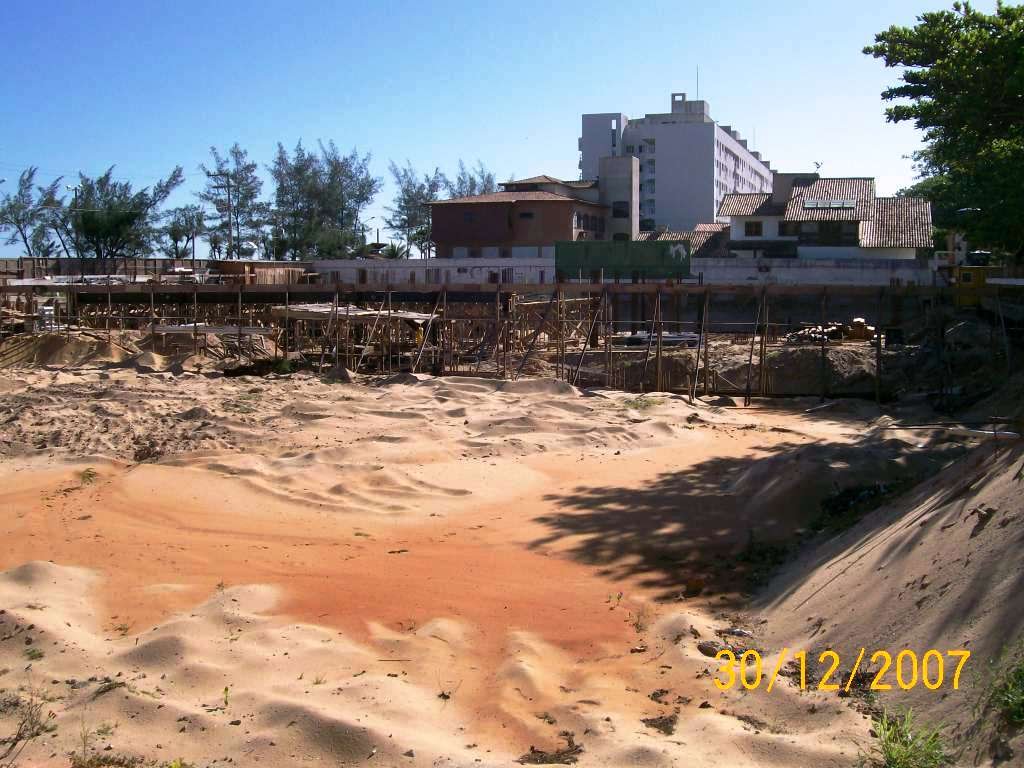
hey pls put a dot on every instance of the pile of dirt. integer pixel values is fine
(937, 568)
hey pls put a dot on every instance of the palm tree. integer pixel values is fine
(395, 251)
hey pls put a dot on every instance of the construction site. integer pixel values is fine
(689, 339)
(481, 524)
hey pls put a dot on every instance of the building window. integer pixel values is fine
(789, 228)
(753, 228)
(620, 209)
(526, 214)
(629, 148)
(650, 186)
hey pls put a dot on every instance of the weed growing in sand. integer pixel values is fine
(319, 680)
(1008, 691)
(226, 695)
(640, 620)
(87, 476)
(641, 403)
(31, 723)
(33, 654)
(904, 744)
(761, 559)
(283, 366)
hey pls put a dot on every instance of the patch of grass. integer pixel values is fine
(760, 560)
(641, 403)
(33, 654)
(902, 743)
(282, 367)
(1008, 692)
(107, 760)
(319, 680)
(844, 509)
(87, 476)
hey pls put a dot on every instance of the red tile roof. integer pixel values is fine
(898, 222)
(748, 204)
(807, 193)
(886, 222)
(512, 197)
(703, 240)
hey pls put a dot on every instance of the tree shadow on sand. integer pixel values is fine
(692, 530)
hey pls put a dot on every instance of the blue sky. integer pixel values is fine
(149, 85)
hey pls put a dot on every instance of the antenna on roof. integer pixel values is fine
(817, 167)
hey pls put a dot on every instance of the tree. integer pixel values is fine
(233, 192)
(184, 224)
(395, 251)
(26, 216)
(478, 181)
(963, 85)
(113, 221)
(318, 199)
(410, 211)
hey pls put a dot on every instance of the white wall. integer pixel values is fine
(533, 269)
(596, 142)
(850, 271)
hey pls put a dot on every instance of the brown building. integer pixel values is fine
(529, 216)
(505, 224)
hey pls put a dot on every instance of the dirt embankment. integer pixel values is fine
(940, 567)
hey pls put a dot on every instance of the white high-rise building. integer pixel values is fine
(688, 162)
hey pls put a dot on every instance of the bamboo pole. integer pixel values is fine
(878, 350)
(657, 360)
(750, 358)
(533, 337)
(700, 342)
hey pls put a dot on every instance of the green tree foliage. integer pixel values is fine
(318, 199)
(27, 216)
(963, 85)
(410, 213)
(184, 224)
(243, 211)
(478, 181)
(395, 251)
(112, 221)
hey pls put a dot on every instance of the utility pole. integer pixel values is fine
(227, 177)
(78, 250)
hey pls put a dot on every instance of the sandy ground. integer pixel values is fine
(425, 572)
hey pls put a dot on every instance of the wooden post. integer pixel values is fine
(239, 322)
(337, 328)
(286, 335)
(700, 342)
(195, 321)
(750, 358)
(824, 353)
(707, 341)
(657, 358)
(1006, 340)
(607, 343)
(878, 350)
(763, 379)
